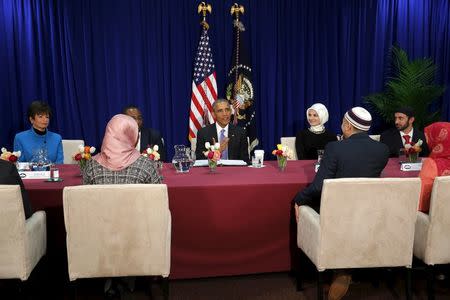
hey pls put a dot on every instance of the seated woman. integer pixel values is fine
(438, 161)
(308, 141)
(119, 162)
(38, 139)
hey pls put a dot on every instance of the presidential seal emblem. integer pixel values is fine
(240, 93)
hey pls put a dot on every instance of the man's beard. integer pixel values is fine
(402, 128)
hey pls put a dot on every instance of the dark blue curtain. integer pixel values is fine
(89, 59)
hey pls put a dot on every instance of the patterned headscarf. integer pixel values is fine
(118, 147)
(438, 140)
(322, 112)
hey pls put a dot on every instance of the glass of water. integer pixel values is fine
(319, 155)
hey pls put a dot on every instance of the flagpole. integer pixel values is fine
(236, 9)
(204, 8)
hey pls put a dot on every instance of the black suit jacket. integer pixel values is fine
(151, 137)
(394, 141)
(10, 176)
(237, 144)
(357, 156)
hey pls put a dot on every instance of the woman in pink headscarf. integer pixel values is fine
(119, 162)
(438, 162)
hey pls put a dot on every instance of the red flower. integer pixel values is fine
(210, 154)
(279, 152)
(12, 158)
(151, 156)
(77, 157)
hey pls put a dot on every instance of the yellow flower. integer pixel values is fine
(280, 147)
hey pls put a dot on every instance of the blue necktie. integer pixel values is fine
(224, 152)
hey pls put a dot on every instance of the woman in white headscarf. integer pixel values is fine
(314, 138)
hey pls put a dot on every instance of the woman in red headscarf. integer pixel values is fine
(438, 162)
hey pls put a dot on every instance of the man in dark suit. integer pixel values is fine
(10, 176)
(355, 156)
(404, 133)
(148, 137)
(232, 139)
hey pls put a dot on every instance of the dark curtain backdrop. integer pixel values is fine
(89, 59)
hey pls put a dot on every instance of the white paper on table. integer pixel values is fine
(201, 163)
(225, 162)
(232, 162)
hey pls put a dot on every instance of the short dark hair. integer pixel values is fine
(39, 107)
(408, 111)
(129, 106)
(220, 100)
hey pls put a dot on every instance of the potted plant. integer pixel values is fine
(412, 84)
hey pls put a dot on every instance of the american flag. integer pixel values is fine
(204, 87)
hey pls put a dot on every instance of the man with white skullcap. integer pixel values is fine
(357, 155)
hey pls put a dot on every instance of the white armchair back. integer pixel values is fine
(22, 242)
(70, 147)
(432, 236)
(290, 142)
(117, 230)
(363, 223)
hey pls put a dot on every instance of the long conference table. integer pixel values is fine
(235, 221)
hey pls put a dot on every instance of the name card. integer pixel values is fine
(34, 174)
(407, 166)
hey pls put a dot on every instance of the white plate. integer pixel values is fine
(262, 166)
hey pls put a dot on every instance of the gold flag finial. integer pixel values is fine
(204, 8)
(237, 9)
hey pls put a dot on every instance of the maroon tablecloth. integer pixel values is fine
(235, 221)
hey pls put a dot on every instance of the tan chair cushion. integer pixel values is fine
(432, 238)
(290, 142)
(117, 230)
(364, 222)
(22, 242)
(70, 148)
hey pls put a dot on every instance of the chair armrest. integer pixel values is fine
(421, 234)
(36, 239)
(308, 233)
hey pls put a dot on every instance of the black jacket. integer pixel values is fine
(237, 144)
(357, 156)
(10, 176)
(151, 137)
(394, 141)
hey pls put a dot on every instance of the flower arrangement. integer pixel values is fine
(83, 155)
(10, 156)
(412, 150)
(282, 153)
(152, 153)
(213, 154)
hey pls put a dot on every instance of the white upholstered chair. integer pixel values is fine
(375, 137)
(22, 242)
(363, 223)
(118, 230)
(290, 142)
(432, 236)
(70, 147)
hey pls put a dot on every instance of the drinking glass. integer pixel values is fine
(319, 155)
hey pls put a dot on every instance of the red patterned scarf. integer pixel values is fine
(438, 140)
